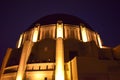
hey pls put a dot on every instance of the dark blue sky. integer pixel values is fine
(18, 15)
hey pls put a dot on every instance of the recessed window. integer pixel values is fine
(45, 78)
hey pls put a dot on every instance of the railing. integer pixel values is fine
(11, 69)
(32, 67)
(40, 67)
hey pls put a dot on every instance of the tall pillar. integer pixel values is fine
(23, 60)
(59, 72)
(5, 60)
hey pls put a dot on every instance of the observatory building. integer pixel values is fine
(60, 47)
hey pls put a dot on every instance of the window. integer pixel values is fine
(45, 78)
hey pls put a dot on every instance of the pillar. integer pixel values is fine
(59, 71)
(5, 60)
(23, 60)
(59, 60)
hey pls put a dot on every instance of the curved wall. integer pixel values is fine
(78, 32)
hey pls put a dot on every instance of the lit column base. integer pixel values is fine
(59, 72)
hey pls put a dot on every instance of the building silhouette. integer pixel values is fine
(60, 47)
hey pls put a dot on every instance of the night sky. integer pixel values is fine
(17, 15)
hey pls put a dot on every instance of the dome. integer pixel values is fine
(52, 49)
(53, 18)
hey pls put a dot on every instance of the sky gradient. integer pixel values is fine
(17, 15)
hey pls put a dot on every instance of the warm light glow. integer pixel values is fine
(36, 75)
(84, 34)
(41, 33)
(47, 31)
(65, 32)
(35, 35)
(59, 72)
(60, 30)
(53, 32)
(105, 47)
(78, 34)
(99, 41)
(20, 41)
(59, 77)
(19, 78)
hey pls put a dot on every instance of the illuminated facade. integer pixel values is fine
(60, 47)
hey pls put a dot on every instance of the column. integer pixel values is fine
(5, 60)
(59, 71)
(23, 60)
